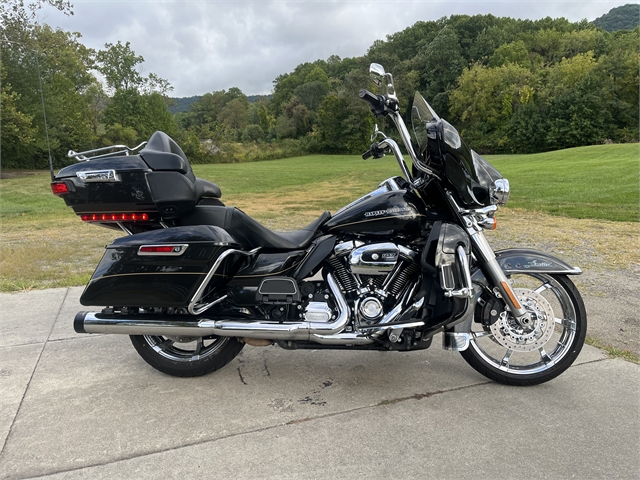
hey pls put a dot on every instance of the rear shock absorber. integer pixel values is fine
(345, 278)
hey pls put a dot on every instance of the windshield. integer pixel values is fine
(421, 115)
(442, 148)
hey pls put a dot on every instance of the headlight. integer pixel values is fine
(500, 191)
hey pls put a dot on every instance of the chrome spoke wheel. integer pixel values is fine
(527, 353)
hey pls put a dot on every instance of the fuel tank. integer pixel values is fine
(381, 213)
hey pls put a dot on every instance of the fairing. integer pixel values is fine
(442, 148)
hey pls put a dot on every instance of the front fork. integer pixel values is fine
(474, 221)
(502, 288)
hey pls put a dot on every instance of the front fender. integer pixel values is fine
(523, 260)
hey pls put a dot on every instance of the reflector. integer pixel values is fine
(159, 249)
(172, 250)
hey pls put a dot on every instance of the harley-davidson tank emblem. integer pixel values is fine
(388, 211)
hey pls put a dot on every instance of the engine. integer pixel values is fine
(373, 276)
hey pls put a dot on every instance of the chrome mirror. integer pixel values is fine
(377, 74)
(382, 78)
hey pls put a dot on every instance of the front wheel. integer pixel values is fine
(507, 352)
(186, 356)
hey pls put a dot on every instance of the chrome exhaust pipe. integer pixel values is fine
(321, 332)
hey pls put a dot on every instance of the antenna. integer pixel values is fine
(44, 114)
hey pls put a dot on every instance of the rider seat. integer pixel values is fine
(251, 233)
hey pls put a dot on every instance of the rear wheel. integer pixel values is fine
(513, 354)
(186, 356)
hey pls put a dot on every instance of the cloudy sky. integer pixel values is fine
(206, 45)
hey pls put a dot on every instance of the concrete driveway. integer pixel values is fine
(86, 406)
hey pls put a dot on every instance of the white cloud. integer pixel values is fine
(201, 46)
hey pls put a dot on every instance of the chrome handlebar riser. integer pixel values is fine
(393, 146)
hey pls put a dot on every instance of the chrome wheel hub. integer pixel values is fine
(532, 335)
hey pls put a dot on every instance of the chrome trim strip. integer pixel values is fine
(99, 176)
(382, 328)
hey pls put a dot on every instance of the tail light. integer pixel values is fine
(60, 188)
(115, 217)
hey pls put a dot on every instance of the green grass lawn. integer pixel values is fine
(43, 244)
(587, 182)
(600, 182)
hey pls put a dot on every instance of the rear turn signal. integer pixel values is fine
(59, 188)
(115, 217)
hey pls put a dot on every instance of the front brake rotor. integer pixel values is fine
(510, 334)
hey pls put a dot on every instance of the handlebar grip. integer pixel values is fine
(368, 97)
(366, 155)
(377, 102)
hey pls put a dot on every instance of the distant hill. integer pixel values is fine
(182, 104)
(626, 17)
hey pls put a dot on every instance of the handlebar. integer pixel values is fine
(377, 150)
(388, 105)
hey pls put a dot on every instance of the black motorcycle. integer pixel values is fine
(193, 280)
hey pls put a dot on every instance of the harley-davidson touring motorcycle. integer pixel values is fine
(193, 280)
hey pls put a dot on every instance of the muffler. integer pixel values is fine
(321, 332)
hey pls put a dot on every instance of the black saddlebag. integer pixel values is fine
(160, 268)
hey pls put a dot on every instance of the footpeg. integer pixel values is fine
(447, 279)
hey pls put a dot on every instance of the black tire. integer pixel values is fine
(184, 358)
(536, 365)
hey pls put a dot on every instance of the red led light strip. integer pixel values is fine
(115, 217)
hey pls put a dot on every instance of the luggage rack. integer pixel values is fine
(111, 151)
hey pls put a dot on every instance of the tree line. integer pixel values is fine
(509, 85)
